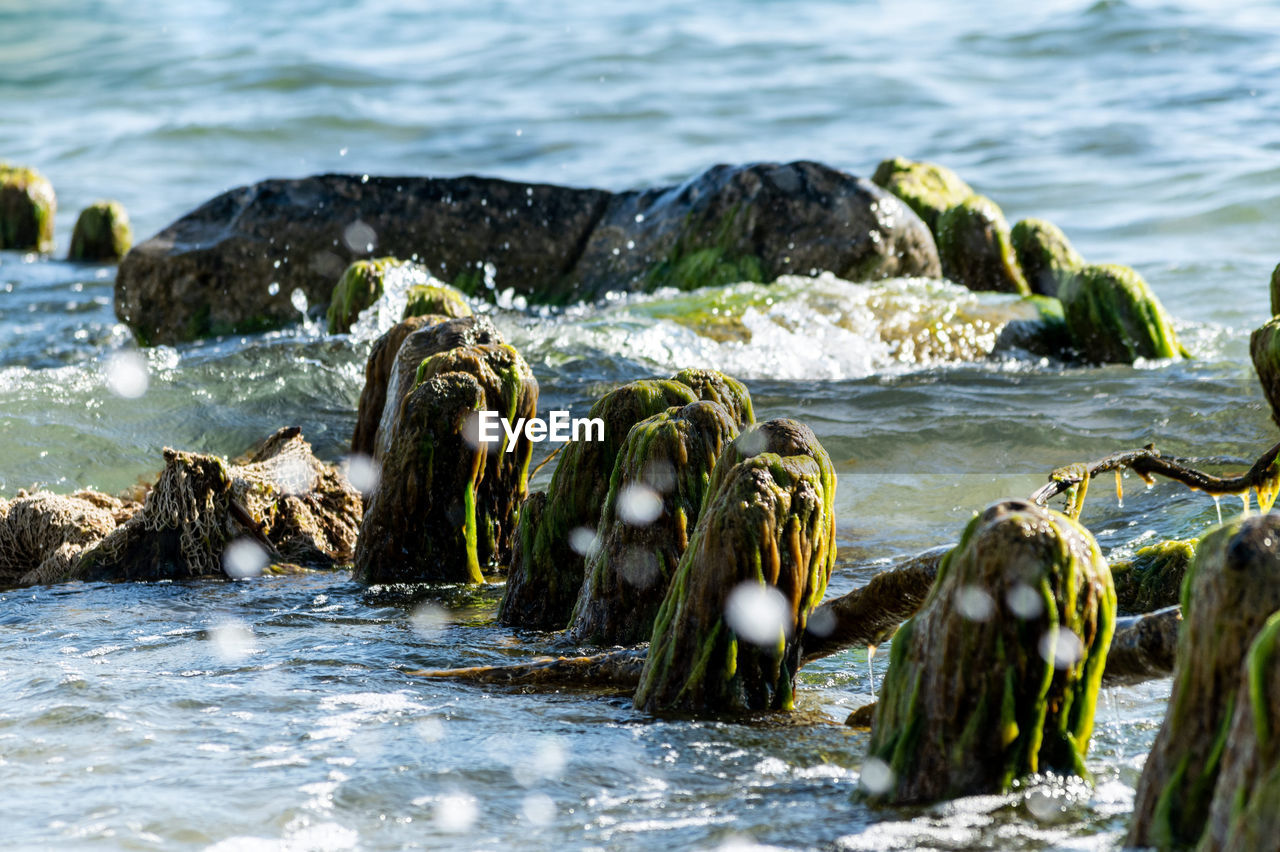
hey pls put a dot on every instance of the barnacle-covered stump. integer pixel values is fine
(102, 233)
(1114, 317)
(1232, 588)
(1245, 812)
(997, 676)
(297, 509)
(927, 188)
(546, 571)
(420, 526)
(974, 247)
(1047, 258)
(1152, 579)
(768, 522)
(43, 534)
(667, 457)
(510, 390)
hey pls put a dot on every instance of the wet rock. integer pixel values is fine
(546, 570)
(927, 188)
(209, 272)
(997, 676)
(43, 534)
(1245, 812)
(1264, 349)
(975, 250)
(377, 373)
(434, 299)
(1113, 316)
(1232, 588)
(421, 522)
(289, 507)
(1275, 290)
(27, 209)
(102, 233)
(655, 495)
(1045, 255)
(727, 636)
(362, 284)
(1152, 579)
(715, 386)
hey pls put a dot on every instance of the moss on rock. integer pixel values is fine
(766, 534)
(1113, 316)
(927, 188)
(102, 233)
(1230, 590)
(1264, 349)
(668, 458)
(974, 247)
(377, 373)
(435, 299)
(715, 386)
(997, 676)
(362, 284)
(1045, 255)
(1152, 579)
(27, 209)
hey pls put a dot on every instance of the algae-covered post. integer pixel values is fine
(1113, 316)
(27, 209)
(974, 247)
(102, 233)
(727, 636)
(997, 676)
(1046, 256)
(1232, 588)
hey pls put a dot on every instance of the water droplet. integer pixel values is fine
(975, 604)
(639, 505)
(362, 472)
(342, 152)
(758, 613)
(232, 640)
(273, 289)
(126, 374)
(1043, 805)
(876, 777)
(1217, 504)
(359, 236)
(1061, 647)
(299, 300)
(539, 809)
(1025, 601)
(244, 558)
(429, 620)
(583, 541)
(456, 813)
(821, 622)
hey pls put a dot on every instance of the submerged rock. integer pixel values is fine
(421, 522)
(727, 636)
(102, 233)
(1113, 316)
(27, 209)
(975, 250)
(928, 189)
(1152, 579)
(997, 676)
(655, 495)
(1046, 256)
(209, 272)
(1264, 349)
(43, 534)
(547, 562)
(1231, 589)
(435, 299)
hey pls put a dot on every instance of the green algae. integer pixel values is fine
(975, 249)
(27, 209)
(1152, 579)
(435, 300)
(715, 386)
(102, 233)
(1264, 351)
(706, 254)
(927, 188)
(1113, 316)
(1045, 255)
(360, 286)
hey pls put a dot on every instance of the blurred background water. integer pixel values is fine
(276, 713)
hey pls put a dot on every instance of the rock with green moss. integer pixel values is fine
(997, 676)
(1152, 579)
(435, 299)
(27, 209)
(511, 391)
(1113, 317)
(655, 496)
(362, 284)
(726, 639)
(102, 233)
(1045, 255)
(420, 525)
(974, 247)
(715, 386)
(1245, 812)
(377, 373)
(1232, 587)
(547, 562)
(1264, 349)
(928, 189)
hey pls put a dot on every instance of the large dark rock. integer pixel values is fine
(211, 271)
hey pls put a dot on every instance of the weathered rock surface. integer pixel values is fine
(1113, 317)
(43, 534)
(210, 272)
(928, 188)
(1232, 588)
(975, 248)
(377, 374)
(102, 233)
(997, 676)
(1047, 258)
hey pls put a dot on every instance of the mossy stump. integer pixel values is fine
(715, 386)
(766, 532)
(997, 676)
(362, 284)
(1231, 589)
(420, 525)
(666, 459)
(435, 299)
(510, 390)
(546, 571)
(1264, 349)
(1113, 317)
(27, 209)
(102, 233)
(1245, 812)
(1152, 579)
(927, 188)
(975, 249)
(1045, 255)
(377, 373)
